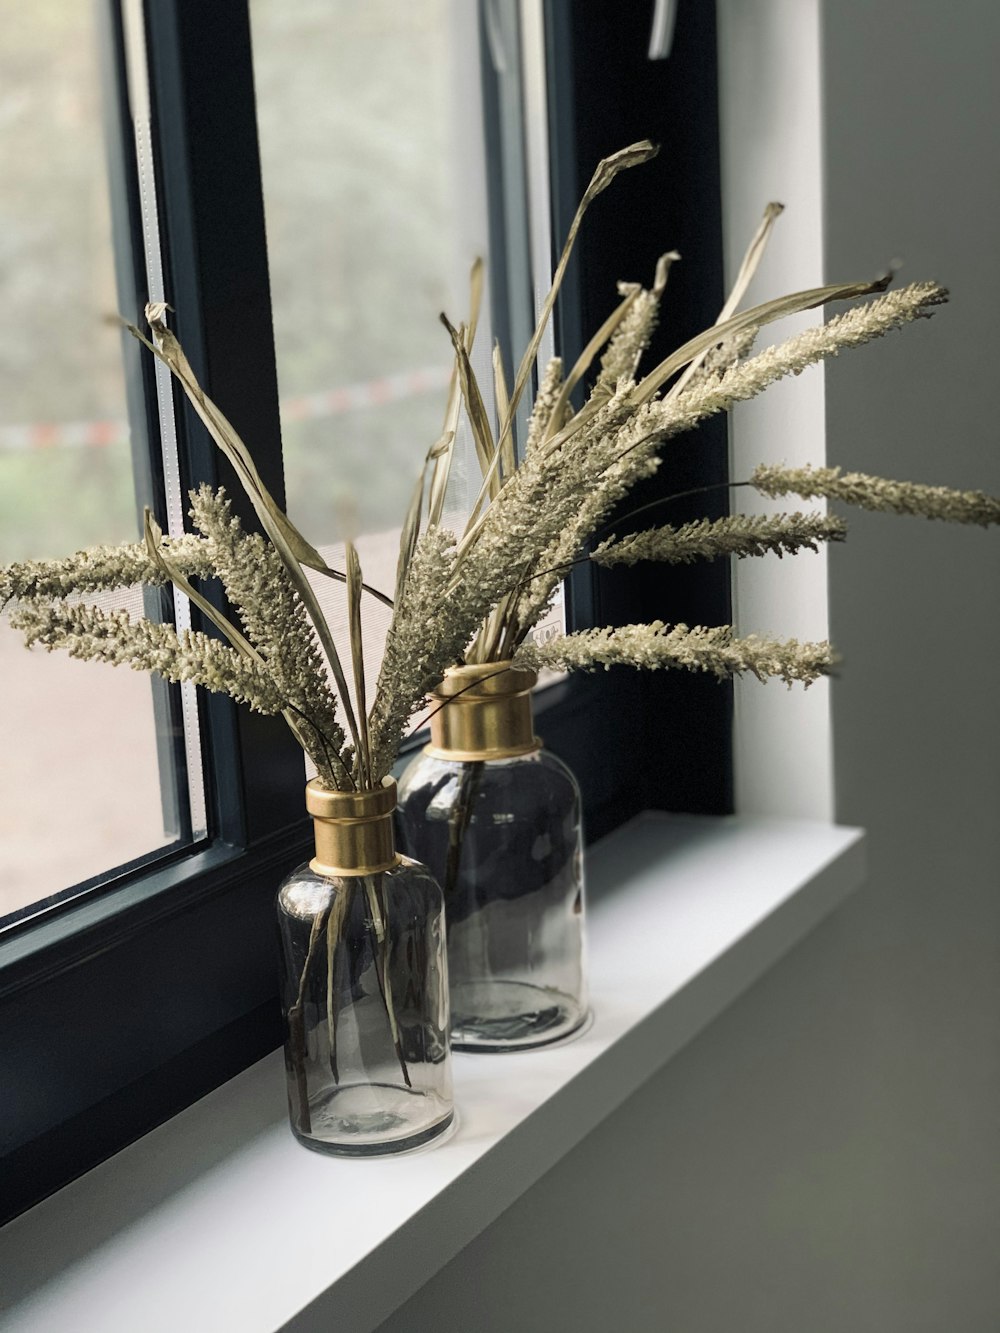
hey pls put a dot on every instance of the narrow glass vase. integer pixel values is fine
(364, 985)
(497, 820)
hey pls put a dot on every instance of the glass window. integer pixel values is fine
(374, 194)
(79, 737)
(371, 207)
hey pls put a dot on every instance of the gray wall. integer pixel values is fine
(826, 1158)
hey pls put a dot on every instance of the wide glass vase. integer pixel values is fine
(364, 985)
(496, 818)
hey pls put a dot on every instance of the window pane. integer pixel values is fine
(372, 162)
(80, 771)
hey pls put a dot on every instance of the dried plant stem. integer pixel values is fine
(380, 960)
(458, 824)
(354, 585)
(586, 556)
(297, 1043)
(297, 1028)
(669, 499)
(765, 313)
(334, 928)
(670, 417)
(292, 547)
(607, 169)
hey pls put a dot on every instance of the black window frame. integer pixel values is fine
(121, 1007)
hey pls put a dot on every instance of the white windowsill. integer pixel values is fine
(218, 1220)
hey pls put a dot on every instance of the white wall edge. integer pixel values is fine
(769, 77)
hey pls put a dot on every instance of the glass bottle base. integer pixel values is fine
(373, 1120)
(510, 1016)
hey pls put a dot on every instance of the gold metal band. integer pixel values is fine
(353, 830)
(483, 713)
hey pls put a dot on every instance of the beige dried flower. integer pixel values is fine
(724, 355)
(545, 400)
(88, 633)
(714, 650)
(280, 664)
(879, 493)
(429, 631)
(738, 534)
(563, 492)
(101, 569)
(634, 333)
(751, 377)
(273, 616)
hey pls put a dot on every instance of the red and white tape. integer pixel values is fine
(40, 435)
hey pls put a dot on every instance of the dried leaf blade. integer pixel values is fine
(354, 593)
(766, 313)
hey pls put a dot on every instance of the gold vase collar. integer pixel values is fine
(353, 829)
(483, 713)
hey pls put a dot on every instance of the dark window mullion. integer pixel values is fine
(604, 93)
(215, 266)
(140, 393)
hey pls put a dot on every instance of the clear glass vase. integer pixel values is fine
(497, 821)
(364, 986)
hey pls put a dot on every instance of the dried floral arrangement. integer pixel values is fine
(475, 598)
(535, 515)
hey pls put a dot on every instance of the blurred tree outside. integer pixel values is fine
(361, 192)
(60, 364)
